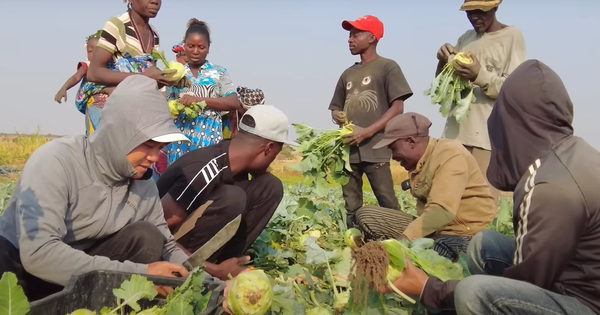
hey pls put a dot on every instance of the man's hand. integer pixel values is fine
(233, 266)
(445, 51)
(166, 269)
(187, 100)
(339, 117)
(357, 136)
(412, 282)
(469, 72)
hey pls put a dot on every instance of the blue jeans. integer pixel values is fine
(489, 253)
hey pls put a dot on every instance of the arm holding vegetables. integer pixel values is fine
(100, 74)
(491, 82)
(397, 91)
(449, 182)
(361, 134)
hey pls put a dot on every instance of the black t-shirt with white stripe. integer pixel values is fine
(192, 178)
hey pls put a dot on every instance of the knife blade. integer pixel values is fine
(221, 238)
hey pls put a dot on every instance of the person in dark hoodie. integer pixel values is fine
(553, 265)
(83, 203)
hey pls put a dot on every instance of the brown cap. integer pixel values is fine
(404, 126)
(483, 5)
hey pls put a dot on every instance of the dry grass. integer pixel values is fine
(281, 169)
(16, 149)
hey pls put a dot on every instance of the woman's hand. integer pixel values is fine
(160, 76)
(187, 100)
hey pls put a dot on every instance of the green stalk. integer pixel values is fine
(400, 293)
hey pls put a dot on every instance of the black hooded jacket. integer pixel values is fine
(555, 177)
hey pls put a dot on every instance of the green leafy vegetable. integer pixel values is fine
(134, 290)
(12, 298)
(323, 154)
(451, 91)
(173, 65)
(191, 112)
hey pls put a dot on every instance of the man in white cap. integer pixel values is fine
(84, 203)
(209, 188)
(497, 49)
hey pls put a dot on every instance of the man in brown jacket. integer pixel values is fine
(553, 266)
(453, 198)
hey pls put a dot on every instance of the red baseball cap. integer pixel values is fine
(367, 23)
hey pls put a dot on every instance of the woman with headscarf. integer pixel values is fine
(210, 83)
(124, 49)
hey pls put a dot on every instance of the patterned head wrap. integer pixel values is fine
(250, 97)
(178, 49)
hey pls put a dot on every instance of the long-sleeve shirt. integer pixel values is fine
(453, 197)
(555, 177)
(499, 53)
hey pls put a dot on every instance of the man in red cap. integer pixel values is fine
(368, 94)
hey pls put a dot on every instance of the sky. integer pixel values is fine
(294, 51)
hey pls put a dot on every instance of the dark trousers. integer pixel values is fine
(139, 242)
(256, 200)
(380, 178)
(381, 223)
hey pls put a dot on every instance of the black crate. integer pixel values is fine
(93, 290)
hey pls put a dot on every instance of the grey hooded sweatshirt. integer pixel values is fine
(76, 190)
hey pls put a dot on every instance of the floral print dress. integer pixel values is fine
(213, 81)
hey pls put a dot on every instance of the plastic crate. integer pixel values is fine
(93, 290)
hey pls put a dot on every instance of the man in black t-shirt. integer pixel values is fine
(370, 93)
(215, 181)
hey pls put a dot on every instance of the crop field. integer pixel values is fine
(310, 265)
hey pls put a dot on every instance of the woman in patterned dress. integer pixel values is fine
(124, 49)
(210, 83)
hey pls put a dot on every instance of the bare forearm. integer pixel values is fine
(396, 109)
(104, 76)
(228, 103)
(214, 270)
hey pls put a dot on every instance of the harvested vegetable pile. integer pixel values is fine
(323, 154)
(451, 91)
(303, 251)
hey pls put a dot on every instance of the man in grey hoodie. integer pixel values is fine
(83, 203)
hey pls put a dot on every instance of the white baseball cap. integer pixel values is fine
(269, 123)
(172, 137)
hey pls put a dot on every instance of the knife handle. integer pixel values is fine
(186, 265)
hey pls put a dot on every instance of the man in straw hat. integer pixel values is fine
(369, 94)
(209, 188)
(497, 49)
(453, 197)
